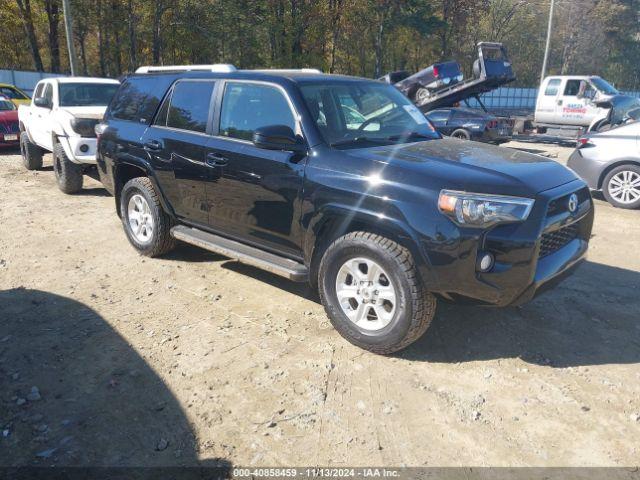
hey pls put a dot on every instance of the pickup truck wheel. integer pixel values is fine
(621, 187)
(462, 134)
(68, 174)
(31, 153)
(146, 224)
(372, 293)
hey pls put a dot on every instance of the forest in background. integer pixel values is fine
(356, 37)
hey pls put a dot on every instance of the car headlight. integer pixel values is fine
(482, 210)
(84, 126)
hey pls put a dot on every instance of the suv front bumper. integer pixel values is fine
(529, 257)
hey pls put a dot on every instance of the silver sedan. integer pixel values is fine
(610, 162)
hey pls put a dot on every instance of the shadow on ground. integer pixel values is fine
(592, 318)
(97, 401)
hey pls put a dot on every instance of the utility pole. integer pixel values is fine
(68, 27)
(546, 48)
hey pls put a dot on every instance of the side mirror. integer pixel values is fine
(278, 137)
(41, 102)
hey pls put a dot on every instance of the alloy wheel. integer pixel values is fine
(366, 294)
(140, 218)
(624, 186)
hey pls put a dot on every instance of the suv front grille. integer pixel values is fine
(560, 205)
(553, 241)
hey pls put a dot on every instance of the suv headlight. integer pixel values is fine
(482, 210)
(84, 126)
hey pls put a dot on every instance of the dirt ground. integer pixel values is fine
(191, 357)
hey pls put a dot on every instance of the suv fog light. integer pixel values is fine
(84, 148)
(485, 262)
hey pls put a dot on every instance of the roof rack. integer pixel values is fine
(288, 70)
(218, 67)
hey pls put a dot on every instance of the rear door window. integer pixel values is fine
(138, 98)
(48, 93)
(248, 106)
(552, 87)
(190, 105)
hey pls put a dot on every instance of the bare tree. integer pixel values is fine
(24, 6)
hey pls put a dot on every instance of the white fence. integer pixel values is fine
(25, 81)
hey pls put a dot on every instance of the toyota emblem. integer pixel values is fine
(573, 203)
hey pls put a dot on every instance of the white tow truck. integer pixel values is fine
(577, 102)
(61, 119)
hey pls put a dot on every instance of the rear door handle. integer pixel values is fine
(215, 160)
(152, 146)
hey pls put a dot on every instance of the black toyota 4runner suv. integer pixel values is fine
(341, 182)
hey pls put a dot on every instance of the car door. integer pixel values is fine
(572, 109)
(256, 194)
(40, 127)
(177, 146)
(548, 101)
(440, 120)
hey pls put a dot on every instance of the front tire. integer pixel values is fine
(422, 95)
(69, 175)
(31, 153)
(372, 293)
(621, 187)
(146, 224)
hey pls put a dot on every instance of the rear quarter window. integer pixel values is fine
(138, 98)
(552, 87)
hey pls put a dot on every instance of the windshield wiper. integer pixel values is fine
(358, 140)
(410, 136)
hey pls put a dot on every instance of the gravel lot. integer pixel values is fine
(191, 357)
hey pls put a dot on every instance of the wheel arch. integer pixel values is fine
(335, 221)
(125, 171)
(616, 164)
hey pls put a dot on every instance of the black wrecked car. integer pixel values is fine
(340, 182)
(420, 86)
(471, 124)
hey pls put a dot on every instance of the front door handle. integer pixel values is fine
(559, 102)
(215, 160)
(152, 146)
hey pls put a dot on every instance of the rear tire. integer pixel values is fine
(31, 153)
(146, 224)
(621, 187)
(372, 293)
(462, 134)
(69, 175)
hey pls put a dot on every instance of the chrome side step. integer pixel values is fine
(270, 262)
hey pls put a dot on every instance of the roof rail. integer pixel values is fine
(218, 67)
(288, 70)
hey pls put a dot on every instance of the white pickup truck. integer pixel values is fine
(61, 119)
(578, 101)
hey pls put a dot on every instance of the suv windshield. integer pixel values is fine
(603, 86)
(86, 94)
(352, 113)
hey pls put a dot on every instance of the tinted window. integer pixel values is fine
(552, 87)
(139, 97)
(86, 94)
(11, 93)
(438, 115)
(572, 88)
(6, 105)
(248, 106)
(189, 109)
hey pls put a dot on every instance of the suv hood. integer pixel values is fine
(473, 166)
(96, 112)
